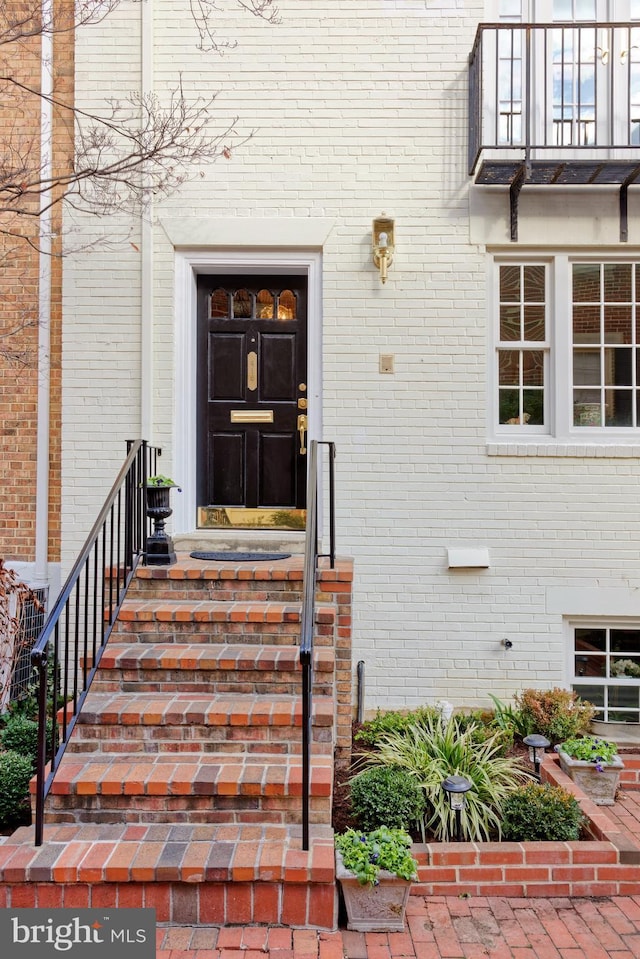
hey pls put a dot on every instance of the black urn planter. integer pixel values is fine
(159, 550)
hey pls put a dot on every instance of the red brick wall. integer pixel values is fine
(20, 131)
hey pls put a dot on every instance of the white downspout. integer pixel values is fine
(44, 303)
(146, 247)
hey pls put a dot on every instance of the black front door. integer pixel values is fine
(252, 399)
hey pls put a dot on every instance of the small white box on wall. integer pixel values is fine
(468, 558)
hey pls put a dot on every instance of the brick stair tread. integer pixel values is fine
(202, 774)
(204, 656)
(219, 709)
(159, 852)
(216, 611)
(187, 568)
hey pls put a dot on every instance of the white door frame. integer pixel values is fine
(188, 265)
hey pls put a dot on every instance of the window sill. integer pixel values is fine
(549, 447)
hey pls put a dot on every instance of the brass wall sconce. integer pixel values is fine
(383, 244)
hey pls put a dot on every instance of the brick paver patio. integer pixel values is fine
(447, 928)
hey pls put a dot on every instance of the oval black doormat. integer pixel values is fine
(239, 557)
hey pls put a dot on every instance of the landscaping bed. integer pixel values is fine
(602, 860)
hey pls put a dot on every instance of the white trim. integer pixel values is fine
(147, 356)
(188, 264)
(225, 234)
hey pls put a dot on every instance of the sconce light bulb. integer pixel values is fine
(383, 241)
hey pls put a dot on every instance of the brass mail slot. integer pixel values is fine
(252, 416)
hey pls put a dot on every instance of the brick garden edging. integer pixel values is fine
(606, 865)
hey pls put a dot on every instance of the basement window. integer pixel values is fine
(607, 670)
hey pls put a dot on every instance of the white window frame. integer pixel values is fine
(599, 622)
(558, 429)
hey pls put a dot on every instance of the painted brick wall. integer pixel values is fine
(356, 109)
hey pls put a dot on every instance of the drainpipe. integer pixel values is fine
(44, 303)
(146, 246)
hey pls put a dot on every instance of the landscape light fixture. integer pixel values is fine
(537, 745)
(456, 788)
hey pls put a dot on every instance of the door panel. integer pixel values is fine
(226, 367)
(278, 367)
(276, 483)
(226, 468)
(251, 387)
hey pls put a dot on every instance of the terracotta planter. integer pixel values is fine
(371, 908)
(600, 787)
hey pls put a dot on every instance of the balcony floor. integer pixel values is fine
(602, 172)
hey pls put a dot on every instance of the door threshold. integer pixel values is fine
(239, 540)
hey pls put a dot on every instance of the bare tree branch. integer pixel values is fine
(117, 158)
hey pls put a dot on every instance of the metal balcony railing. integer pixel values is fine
(554, 91)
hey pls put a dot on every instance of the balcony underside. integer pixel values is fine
(518, 173)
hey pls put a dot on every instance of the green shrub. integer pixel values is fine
(387, 796)
(509, 718)
(558, 714)
(483, 727)
(15, 773)
(20, 734)
(538, 812)
(391, 721)
(431, 751)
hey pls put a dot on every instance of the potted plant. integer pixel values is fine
(159, 550)
(375, 871)
(594, 765)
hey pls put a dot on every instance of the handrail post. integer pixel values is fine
(41, 755)
(332, 505)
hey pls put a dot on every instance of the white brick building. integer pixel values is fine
(357, 109)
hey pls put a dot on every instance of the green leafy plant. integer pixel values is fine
(482, 725)
(372, 730)
(591, 750)
(556, 713)
(431, 751)
(387, 796)
(20, 734)
(541, 813)
(365, 854)
(159, 480)
(509, 718)
(15, 773)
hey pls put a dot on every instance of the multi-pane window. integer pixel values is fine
(523, 347)
(605, 338)
(580, 321)
(607, 671)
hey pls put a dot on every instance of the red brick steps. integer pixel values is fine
(240, 668)
(208, 621)
(151, 723)
(182, 786)
(144, 788)
(208, 874)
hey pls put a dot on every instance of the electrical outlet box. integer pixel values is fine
(387, 362)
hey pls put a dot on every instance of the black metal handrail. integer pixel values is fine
(311, 557)
(562, 89)
(70, 646)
